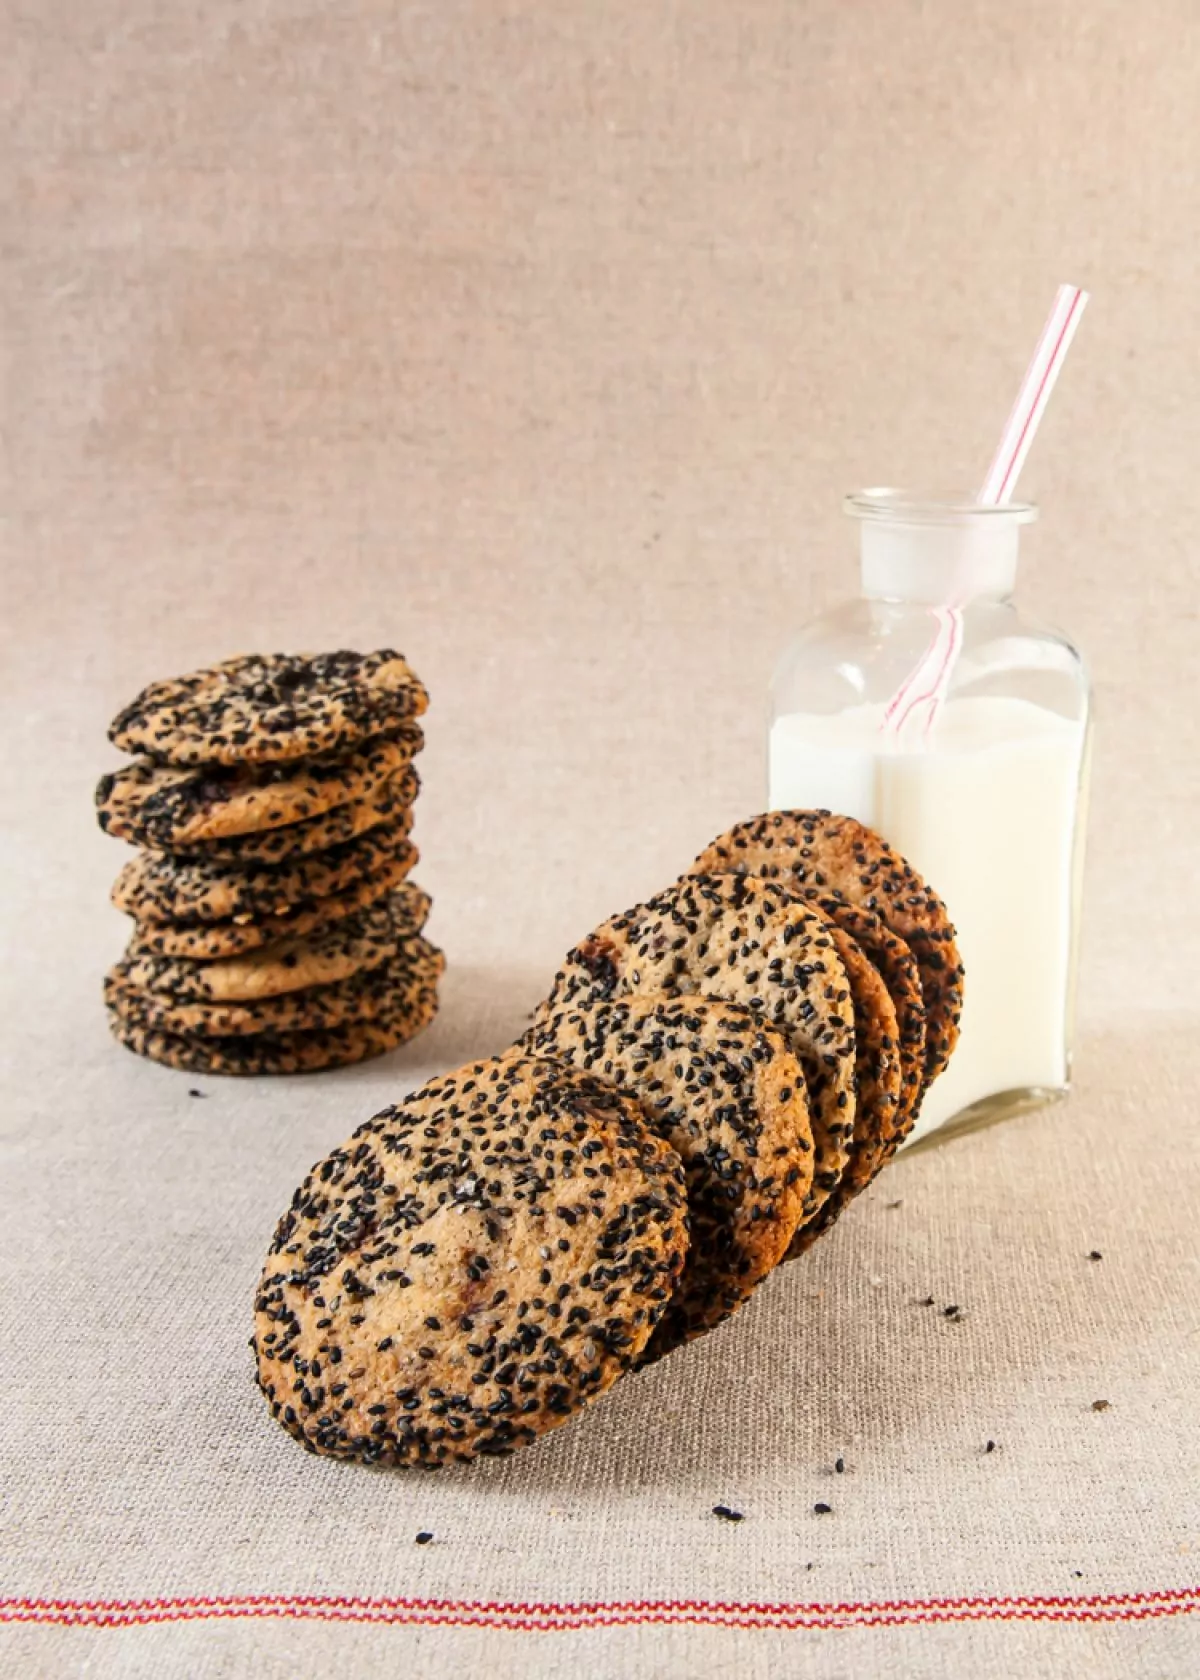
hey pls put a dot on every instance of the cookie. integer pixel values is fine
(391, 802)
(877, 1109)
(171, 809)
(368, 996)
(894, 962)
(353, 946)
(156, 887)
(270, 708)
(749, 942)
(273, 1053)
(211, 940)
(729, 1097)
(471, 1268)
(815, 848)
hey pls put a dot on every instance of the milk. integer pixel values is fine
(986, 812)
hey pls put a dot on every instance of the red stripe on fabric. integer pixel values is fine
(550, 1617)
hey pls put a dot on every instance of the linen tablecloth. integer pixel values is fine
(540, 341)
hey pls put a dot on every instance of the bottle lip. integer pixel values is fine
(903, 507)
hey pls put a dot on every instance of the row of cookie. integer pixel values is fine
(715, 1073)
(819, 927)
(274, 806)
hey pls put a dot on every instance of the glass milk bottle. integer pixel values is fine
(984, 793)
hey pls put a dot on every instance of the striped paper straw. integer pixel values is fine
(924, 689)
(1033, 396)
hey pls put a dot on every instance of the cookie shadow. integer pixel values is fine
(841, 1350)
(481, 1011)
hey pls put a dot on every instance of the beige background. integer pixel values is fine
(541, 341)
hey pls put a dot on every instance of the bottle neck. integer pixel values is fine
(938, 565)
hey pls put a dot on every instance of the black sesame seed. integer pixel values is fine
(990, 1447)
(821, 1509)
(424, 1537)
(727, 1514)
(839, 1465)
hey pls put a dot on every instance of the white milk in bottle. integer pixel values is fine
(987, 802)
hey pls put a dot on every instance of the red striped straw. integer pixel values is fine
(1027, 411)
(925, 686)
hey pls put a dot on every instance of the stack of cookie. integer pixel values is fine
(715, 1074)
(276, 929)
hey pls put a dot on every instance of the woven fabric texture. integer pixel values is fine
(540, 343)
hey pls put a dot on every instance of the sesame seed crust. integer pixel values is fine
(212, 940)
(470, 1268)
(310, 1051)
(729, 1096)
(269, 708)
(877, 1111)
(157, 887)
(352, 946)
(894, 962)
(750, 942)
(390, 802)
(369, 996)
(816, 848)
(170, 807)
